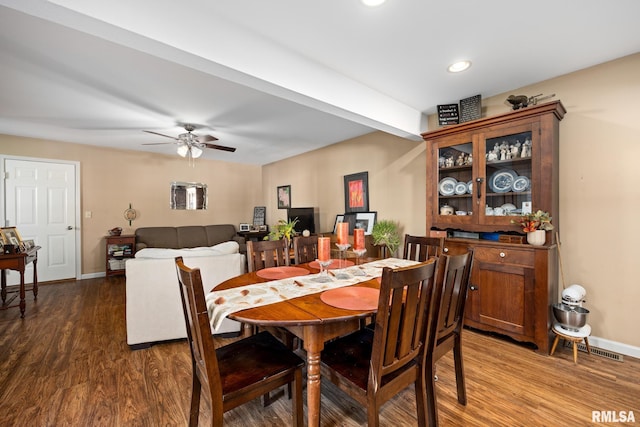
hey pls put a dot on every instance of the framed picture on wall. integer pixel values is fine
(284, 197)
(356, 192)
(366, 220)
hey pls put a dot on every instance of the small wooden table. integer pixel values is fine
(309, 319)
(18, 262)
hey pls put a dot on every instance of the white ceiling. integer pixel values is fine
(281, 77)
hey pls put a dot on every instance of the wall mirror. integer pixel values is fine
(188, 195)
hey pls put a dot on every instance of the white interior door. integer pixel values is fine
(40, 200)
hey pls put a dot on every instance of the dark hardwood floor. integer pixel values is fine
(67, 364)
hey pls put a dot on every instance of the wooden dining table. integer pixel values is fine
(308, 318)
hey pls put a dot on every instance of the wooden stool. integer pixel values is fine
(574, 336)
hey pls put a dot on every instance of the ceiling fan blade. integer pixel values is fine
(219, 147)
(206, 138)
(161, 134)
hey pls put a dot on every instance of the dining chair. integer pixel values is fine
(421, 248)
(373, 365)
(445, 334)
(267, 253)
(305, 249)
(236, 373)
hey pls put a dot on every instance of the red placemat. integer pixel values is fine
(352, 298)
(278, 273)
(335, 263)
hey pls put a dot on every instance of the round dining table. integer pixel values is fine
(308, 318)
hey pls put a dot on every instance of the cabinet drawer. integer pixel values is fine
(504, 255)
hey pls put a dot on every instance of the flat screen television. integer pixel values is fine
(307, 218)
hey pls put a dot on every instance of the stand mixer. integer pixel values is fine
(570, 314)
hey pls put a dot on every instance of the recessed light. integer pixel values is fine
(459, 66)
(372, 3)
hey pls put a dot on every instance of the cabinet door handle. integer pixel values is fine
(502, 255)
(478, 188)
(473, 287)
(445, 250)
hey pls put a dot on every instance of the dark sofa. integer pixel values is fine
(188, 236)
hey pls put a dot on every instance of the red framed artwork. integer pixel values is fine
(356, 192)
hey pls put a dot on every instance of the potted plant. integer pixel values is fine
(283, 229)
(385, 233)
(535, 224)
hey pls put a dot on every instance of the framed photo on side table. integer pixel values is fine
(284, 197)
(356, 192)
(366, 220)
(10, 236)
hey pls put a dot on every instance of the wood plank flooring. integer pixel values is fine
(67, 364)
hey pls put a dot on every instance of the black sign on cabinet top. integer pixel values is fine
(448, 114)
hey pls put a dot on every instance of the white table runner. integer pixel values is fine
(222, 303)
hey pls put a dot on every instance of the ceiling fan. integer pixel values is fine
(189, 144)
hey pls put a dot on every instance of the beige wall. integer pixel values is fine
(111, 179)
(599, 187)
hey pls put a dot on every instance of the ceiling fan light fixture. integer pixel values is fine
(183, 150)
(195, 151)
(458, 67)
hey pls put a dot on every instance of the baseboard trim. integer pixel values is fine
(614, 346)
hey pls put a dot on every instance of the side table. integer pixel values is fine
(18, 262)
(253, 235)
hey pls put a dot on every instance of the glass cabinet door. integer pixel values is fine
(455, 180)
(508, 173)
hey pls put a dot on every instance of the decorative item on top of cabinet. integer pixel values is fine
(515, 166)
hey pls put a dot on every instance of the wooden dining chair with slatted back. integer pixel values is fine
(372, 366)
(421, 248)
(267, 253)
(453, 279)
(236, 373)
(305, 249)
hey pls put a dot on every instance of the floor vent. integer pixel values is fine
(597, 351)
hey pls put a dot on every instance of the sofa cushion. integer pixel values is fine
(220, 233)
(223, 248)
(192, 236)
(157, 237)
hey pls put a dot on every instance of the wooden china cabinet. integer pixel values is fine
(480, 176)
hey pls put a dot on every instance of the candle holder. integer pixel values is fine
(359, 253)
(342, 247)
(324, 272)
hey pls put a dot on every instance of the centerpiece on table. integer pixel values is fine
(535, 224)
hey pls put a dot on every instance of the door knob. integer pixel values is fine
(69, 227)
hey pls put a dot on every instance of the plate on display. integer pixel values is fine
(470, 187)
(501, 181)
(461, 188)
(520, 184)
(447, 186)
(352, 298)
